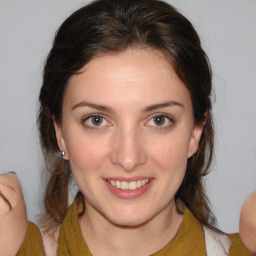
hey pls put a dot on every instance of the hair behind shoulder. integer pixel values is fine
(105, 26)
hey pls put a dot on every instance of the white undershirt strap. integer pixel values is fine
(216, 244)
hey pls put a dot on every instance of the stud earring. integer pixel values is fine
(63, 153)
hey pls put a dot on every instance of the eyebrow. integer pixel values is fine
(162, 105)
(93, 105)
(110, 110)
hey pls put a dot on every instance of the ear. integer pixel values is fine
(60, 139)
(195, 137)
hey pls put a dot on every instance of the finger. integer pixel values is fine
(10, 190)
(5, 200)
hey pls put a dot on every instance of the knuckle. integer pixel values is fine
(5, 205)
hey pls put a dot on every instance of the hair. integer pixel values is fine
(112, 26)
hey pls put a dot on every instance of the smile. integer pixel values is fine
(129, 189)
(132, 185)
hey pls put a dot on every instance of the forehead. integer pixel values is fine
(135, 76)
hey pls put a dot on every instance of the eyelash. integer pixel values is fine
(93, 126)
(169, 119)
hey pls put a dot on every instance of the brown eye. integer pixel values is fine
(159, 120)
(97, 120)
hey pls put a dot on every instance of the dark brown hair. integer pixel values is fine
(106, 26)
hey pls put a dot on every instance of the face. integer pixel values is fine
(128, 131)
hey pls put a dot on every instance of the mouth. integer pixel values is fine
(125, 185)
(129, 189)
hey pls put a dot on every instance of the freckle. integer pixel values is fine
(90, 155)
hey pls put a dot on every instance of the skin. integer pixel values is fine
(247, 230)
(128, 143)
(13, 219)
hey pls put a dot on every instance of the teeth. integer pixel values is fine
(124, 185)
(118, 184)
(132, 185)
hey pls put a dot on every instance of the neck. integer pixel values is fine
(105, 238)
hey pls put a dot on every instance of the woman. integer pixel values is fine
(126, 110)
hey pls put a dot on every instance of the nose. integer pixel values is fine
(127, 151)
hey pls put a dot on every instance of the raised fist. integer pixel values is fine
(247, 229)
(13, 219)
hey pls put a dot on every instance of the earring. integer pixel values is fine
(63, 153)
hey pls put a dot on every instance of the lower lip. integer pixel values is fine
(129, 194)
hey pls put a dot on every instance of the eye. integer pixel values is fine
(95, 121)
(161, 121)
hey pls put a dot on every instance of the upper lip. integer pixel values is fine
(129, 179)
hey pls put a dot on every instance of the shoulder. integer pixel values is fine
(237, 248)
(216, 243)
(39, 243)
(32, 244)
(222, 244)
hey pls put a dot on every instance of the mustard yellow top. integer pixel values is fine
(189, 240)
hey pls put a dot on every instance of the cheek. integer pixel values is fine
(85, 153)
(86, 158)
(171, 153)
(170, 159)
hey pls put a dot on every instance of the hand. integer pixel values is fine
(13, 219)
(247, 229)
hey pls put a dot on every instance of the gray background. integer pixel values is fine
(228, 32)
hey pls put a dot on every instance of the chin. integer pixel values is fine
(129, 223)
(128, 218)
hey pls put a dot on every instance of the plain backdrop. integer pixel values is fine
(228, 32)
